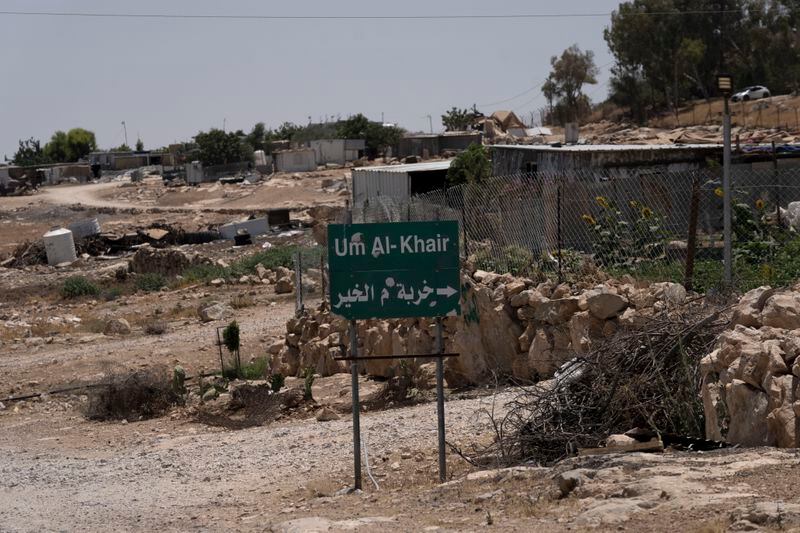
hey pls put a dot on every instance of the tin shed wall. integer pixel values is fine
(372, 183)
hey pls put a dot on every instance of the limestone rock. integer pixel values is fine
(782, 311)
(514, 288)
(284, 285)
(215, 311)
(748, 415)
(117, 326)
(326, 414)
(748, 311)
(606, 305)
(556, 311)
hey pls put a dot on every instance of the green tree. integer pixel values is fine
(569, 74)
(257, 136)
(30, 153)
(139, 145)
(122, 148)
(217, 147)
(77, 143)
(470, 166)
(376, 136)
(460, 119)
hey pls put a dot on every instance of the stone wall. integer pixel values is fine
(509, 328)
(750, 380)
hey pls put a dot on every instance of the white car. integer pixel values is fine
(751, 93)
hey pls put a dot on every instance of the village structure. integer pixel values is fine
(562, 324)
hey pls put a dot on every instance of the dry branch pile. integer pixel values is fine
(644, 376)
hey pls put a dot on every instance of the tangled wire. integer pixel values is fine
(645, 376)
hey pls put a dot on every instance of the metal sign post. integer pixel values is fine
(440, 398)
(395, 270)
(356, 404)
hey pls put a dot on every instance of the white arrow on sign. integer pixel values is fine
(447, 292)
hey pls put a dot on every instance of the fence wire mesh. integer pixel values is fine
(648, 224)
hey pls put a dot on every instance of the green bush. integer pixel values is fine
(150, 282)
(308, 381)
(511, 259)
(276, 382)
(76, 286)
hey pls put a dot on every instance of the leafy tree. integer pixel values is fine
(71, 146)
(30, 153)
(286, 131)
(122, 148)
(217, 147)
(569, 74)
(470, 166)
(377, 137)
(662, 61)
(257, 136)
(57, 149)
(460, 119)
(139, 145)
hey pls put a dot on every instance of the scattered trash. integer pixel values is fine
(290, 233)
(267, 245)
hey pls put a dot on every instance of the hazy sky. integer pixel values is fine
(169, 79)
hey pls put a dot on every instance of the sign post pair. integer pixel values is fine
(395, 270)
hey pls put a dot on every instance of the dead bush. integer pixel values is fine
(132, 395)
(643, 377)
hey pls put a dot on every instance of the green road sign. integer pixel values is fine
(395, 270)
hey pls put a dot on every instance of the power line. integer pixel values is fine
(184, 16)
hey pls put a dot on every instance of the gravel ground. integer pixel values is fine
(172, 475)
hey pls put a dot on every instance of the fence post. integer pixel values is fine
(691, 244)
(558, 230)
(298, 290)
(464, 221)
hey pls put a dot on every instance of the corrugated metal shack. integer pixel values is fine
(398, 181)
(337, 151)
(432, 145)
(608, 159)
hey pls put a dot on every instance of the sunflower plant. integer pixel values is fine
(624, 238)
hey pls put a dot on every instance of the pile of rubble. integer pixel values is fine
(751, 380)
(509, 328)
(165, 261)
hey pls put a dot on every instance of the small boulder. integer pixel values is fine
(210, 394)
(284, 285)
(606, 305)
(215, 311)
(326, 414)
(117, 326)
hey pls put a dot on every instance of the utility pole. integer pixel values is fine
(125, 129)
(430, 122)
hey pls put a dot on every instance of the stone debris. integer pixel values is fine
(749, 389)
(164, 261)
(509, 327)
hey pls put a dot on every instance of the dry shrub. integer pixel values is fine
(132, 395)
(645, 376)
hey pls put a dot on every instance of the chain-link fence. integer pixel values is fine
(651, 224)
